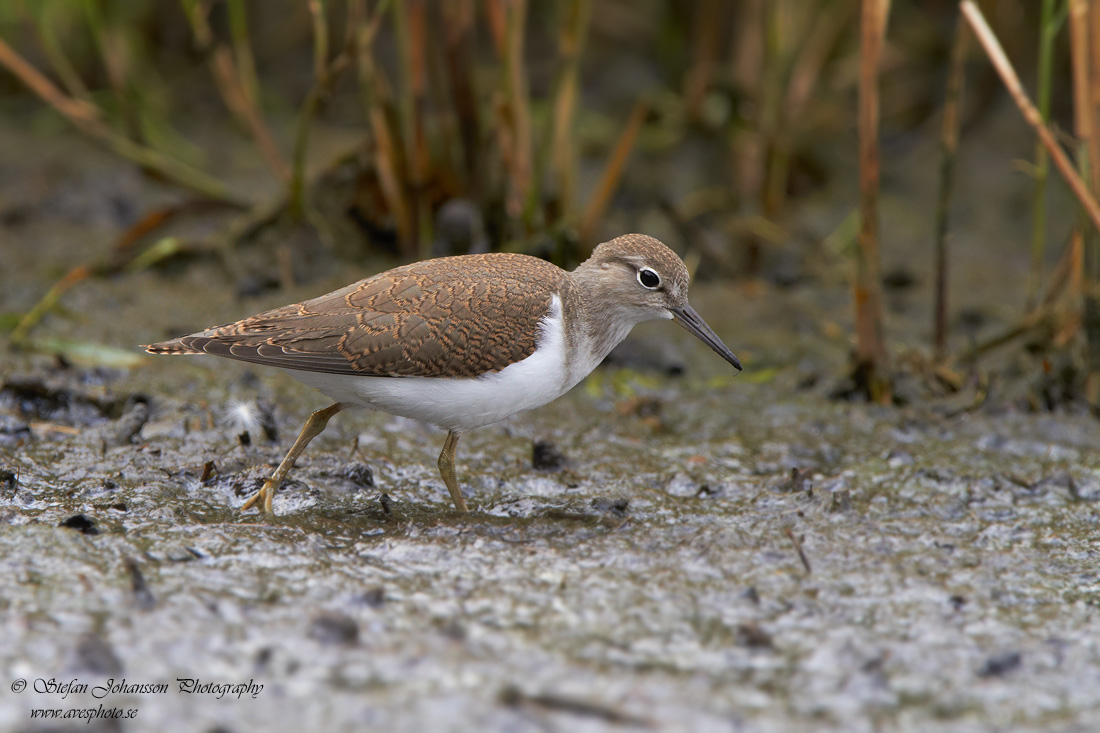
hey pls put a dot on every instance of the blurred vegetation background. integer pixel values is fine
(417, 128)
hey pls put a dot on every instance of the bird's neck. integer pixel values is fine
(602, 320)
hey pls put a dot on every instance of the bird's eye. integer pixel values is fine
(649, 279)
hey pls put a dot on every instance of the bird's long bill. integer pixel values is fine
(693, 322)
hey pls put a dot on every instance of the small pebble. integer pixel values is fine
(81, 523)
(374, 597)
(751, 635)
(545, 456)
(1000, 664)
(617, 506)
(359, 474)
(335, 628)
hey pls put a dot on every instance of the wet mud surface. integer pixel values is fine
(668, 547)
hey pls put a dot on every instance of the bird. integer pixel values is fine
(459, 342)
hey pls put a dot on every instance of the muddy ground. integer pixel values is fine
(686, 549)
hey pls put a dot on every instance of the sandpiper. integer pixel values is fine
(459, 342)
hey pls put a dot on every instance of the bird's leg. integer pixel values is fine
(313, 427)
(447, 471)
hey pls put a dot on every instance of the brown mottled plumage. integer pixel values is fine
(447, 317)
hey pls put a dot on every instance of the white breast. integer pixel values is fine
(462, 404)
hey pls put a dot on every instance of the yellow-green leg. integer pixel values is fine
(447, 471)
(313, 427)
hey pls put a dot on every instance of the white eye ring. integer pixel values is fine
(649, 279)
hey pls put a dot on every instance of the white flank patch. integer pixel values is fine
(463, 404)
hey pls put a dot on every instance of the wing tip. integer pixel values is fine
(172, 347)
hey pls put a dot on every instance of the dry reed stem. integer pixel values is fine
(503, 129)
(388, 159)
(496, 16)
(48, 301)
(458, 21)
(1066, 275)
(949, 144)
(871, 358)
(520, 115)
(1088, 160)
(84, 115)
(774, 185)
(563, 145)
(1093, 100)
(706, 24)
(1008, 76)
(612, 173)
(444, 146)
(415, 61)
(746, 69)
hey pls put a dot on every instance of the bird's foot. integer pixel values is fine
(266, 493)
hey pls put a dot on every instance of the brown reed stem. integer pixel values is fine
(612, 173)
(388, 159)
(458, 19)
(949, 144)
(520, 115)
(1082, 56)
(412, 38)
(496, 17)
(563, 144)
(47, 303)
(871, 359)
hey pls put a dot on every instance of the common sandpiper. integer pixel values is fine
(459, 342)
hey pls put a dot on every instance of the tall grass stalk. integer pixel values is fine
(949, 144)
(1049, 25)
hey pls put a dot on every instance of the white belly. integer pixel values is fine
(462, 404)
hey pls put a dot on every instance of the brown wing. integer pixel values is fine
(453, 316)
